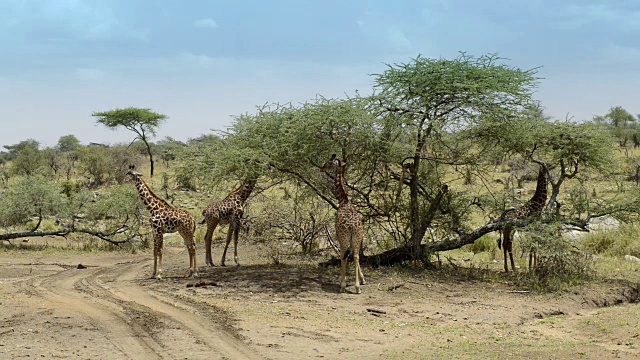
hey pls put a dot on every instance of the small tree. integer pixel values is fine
(27, 161)
(68, 143)
(30, 196)
(143, 122)
(14, 150)
(169, 148)
(617, 117)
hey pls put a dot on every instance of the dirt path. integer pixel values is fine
(102, 313)
(112, 310)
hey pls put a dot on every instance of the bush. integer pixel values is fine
(298, 218)
(28, 161)
(106, 164)
(556, 270)
(31, 196)
(622, 241)
(116, 202)
(484, 244)
(559, 262)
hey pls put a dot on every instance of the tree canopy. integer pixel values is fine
(434, 99)
(143, 122)
(408, 134)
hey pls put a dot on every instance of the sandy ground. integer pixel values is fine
(112, 310)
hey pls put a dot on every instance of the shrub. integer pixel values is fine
(625, 240)
(30, 196)
(559, 262)
(484, 244)
(298, 218)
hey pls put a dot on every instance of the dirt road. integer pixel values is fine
(112, 310)
(102, 312)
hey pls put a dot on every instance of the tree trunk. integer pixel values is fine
(417, 225)
(64, 232)
(401, 254)
(150, 155)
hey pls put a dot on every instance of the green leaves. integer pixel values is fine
(140, 121)
(286, 141)
(446, 91)
(30, 196)
(143, 122)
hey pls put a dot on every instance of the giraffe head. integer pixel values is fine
(333, 166)
(132, 173)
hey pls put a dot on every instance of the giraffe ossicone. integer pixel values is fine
(165, 219)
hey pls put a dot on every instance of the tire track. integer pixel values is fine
(138, 324)
(59, 292)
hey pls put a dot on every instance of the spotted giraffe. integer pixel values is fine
(530, 209)
(227, 211)
(165, 219)
(349, 229)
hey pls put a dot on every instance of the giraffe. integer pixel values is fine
(227, 211)
(349, 229)
(530, 209)
(165, 219)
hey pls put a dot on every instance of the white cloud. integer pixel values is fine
(206, 23)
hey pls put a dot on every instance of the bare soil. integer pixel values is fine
(109, 308)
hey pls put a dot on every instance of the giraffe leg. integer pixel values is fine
(505, 240)
(226, 245)
(158, 242)
(211, 226)
(356, 265)
(510, 248)
(235, 245)
(358, 247)
(343, 274)
(533, 260)
(187, 236)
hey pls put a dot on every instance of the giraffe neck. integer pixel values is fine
(341, 193)
(245, 189)
(150, 200)
(539, 198)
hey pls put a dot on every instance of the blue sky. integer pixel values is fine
(199, 61)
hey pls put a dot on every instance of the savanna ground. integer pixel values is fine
(109, 308)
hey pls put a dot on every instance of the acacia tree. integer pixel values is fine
(28, 160)
(289, 142)
(409, 134)
(68, 143)
(70, 149)
(143, 122)
(616, 117)
(564, 149)
(14, 150)
(435, 98)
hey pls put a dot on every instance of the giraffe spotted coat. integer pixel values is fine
(530, 209)
(228, 211)
(165, 219)
(349, 229)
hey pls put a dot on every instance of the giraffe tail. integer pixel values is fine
(500, 243)
(346, 254)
